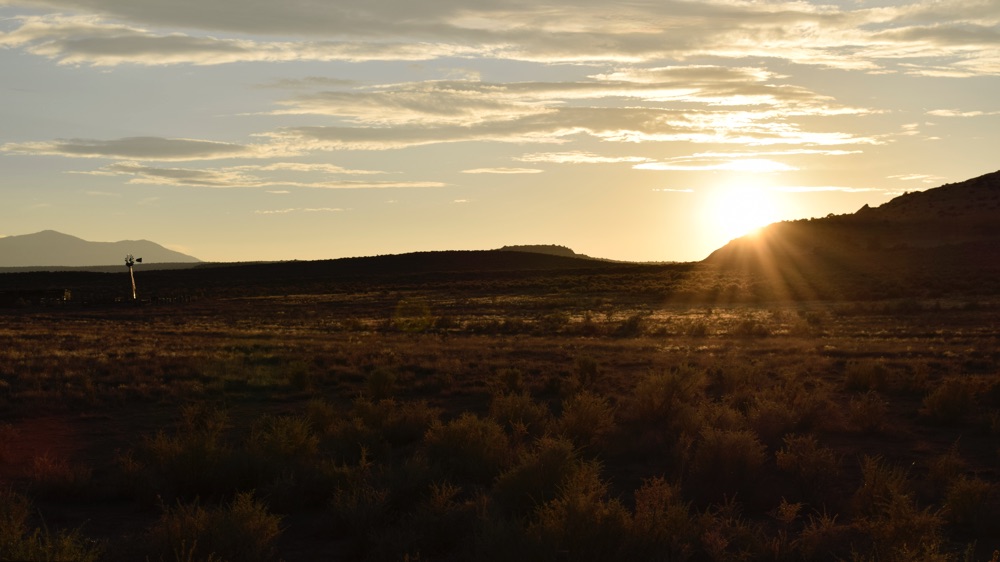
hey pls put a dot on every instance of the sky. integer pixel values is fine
(647, 130)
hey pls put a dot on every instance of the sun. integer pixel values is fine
(738, 209)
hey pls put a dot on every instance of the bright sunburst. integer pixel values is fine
(738, 209)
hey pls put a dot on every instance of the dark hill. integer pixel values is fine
(492, 267)
(51, 248)
(933, 243)
(550, 249)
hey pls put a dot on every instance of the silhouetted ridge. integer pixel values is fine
(940, 240)
(423, 262)
(550, 249)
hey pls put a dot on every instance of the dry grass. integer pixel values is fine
(415, 422)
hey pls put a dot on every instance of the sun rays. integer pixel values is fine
(739, 208)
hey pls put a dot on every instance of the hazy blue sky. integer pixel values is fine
(645, 130)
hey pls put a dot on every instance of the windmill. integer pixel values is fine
(129, 262)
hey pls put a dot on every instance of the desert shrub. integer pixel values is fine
(696, 329)
(353, 438)
(881, 483)
(446, 323)
(360, 503)
(280, 456)
(726, 463)
(722, 416)
(771, 418)
(468, 448)
(666, 399)
(867, 412)
(581, 523)
(587, 373)
(899, 530)
(734, 381)
(322, 416)
(395, 423)
(506, 381)
(519, 414)
(299, 374)
(381, 382)
(916, 380)
(285, 439)
(441, 526)
(662, 527)
(55, 477)
(823, 539)
(780, 545)
(553, 322)
(971, 504)
(950, 402)
(587, 419)
(240, 530)
(661, 415)
(943, 469)
(725, 535)
(19, 541)
(815, 318)
(866, 374)
(632, 326)
(194, 461)
(750, 328)
(812, 468)
(537, 477)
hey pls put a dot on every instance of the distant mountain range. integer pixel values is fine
(51, 248)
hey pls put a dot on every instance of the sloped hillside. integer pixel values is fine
(934, 243)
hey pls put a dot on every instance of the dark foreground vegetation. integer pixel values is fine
(618, 412)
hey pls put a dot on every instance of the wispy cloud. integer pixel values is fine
(560, 125)
(849, 36)
(755, 165)
(578, 157)
(98, 42)
(960, 113)
(924, 178)
(299, 210)
(503, 171)
(144, 148)
(235, 177)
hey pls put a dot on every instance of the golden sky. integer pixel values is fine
(239, 130)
